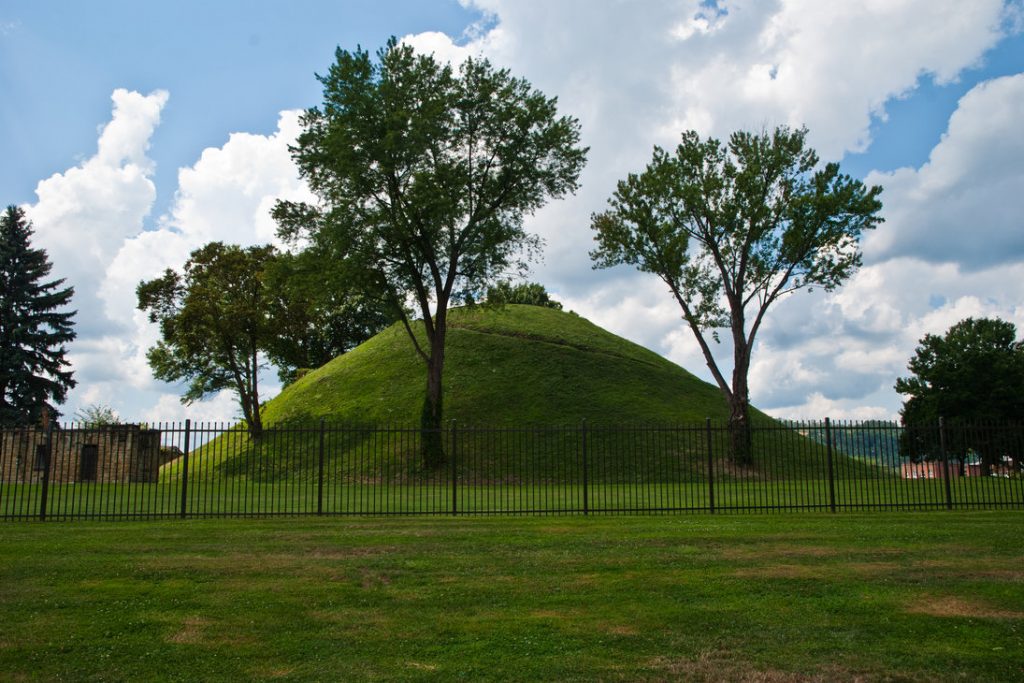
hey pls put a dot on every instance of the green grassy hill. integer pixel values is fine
(514, 369)
(515, 365)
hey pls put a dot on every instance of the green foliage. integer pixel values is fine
(424, 176)
(318, 316)
(732, 228)
(973, 374)
(529, 293)
(213, 323)
(34, 331)
(97, 415)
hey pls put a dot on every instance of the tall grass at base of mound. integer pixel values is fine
(539, 454)
(241, 497)
(872, 597)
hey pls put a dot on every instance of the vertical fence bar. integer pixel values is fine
(831, 470)
(5, 485)
(711, 467)
(46, 472)
(71, 501)
(849, 487)
(945, 463)
(455, 487)
(1015, 465)
(586, 486)
(184, 469)
(963, 483)
(320, 473)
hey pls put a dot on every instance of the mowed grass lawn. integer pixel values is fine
(876, 596)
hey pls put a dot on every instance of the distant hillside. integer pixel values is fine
(875, 441)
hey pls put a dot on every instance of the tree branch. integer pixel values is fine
(705, 349)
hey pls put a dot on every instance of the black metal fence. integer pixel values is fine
(218, 470)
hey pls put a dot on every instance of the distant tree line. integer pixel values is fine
(872, 440)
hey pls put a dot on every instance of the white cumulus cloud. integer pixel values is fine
(636, 78)
(226, 195)
(965, 205)
(83, 215)
(90, 219)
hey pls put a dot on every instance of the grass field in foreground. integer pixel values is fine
(907, 596)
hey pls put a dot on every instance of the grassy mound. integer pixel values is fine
(516, 365)
(513, 369)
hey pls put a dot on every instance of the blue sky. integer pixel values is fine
(135, 131)
(913, 124)
(229, 66)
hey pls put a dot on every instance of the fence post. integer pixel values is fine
(46, 471)
(945, 462)
(831, 470)
(184, 469)
(711, 466)
(455, 487)
(586, 483)
(320, 473)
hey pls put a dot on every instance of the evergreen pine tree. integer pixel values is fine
(33, 332)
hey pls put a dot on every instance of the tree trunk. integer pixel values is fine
(256, 423)
(251, 415)
(431, 444)
(247, 390)
(741, 447)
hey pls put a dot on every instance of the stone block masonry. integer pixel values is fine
(111, 454)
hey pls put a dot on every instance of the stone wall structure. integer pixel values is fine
(111, 454)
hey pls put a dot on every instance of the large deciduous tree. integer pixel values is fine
(973, 376)
(214, 321)
(731, 228)
(34, 330)
(318, 316)
(424, 175)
